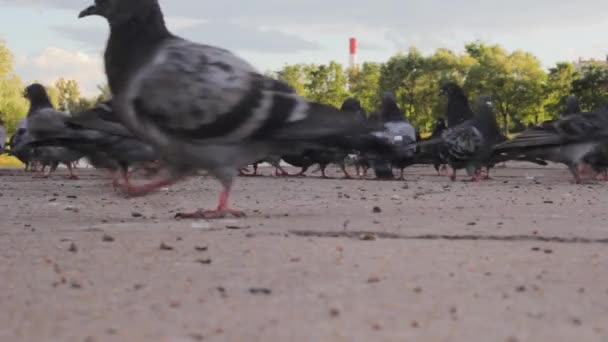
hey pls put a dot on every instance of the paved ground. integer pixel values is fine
(521, 258)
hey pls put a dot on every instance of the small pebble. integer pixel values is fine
(165, 247)
(367, 237)
(260, 291)
(107, 238)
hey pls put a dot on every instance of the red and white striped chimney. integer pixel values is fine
(352, 61)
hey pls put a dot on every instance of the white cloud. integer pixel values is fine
(53, 63)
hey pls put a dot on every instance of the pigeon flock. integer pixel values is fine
(179, 107)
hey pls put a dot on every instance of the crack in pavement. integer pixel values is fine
(469, 237)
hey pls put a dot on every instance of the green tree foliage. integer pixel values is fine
(591, 85)
(104, 92)
(68, 95)
(364, 84)
(296, 76)
(13, 105)
(327, 84)
(558, 88)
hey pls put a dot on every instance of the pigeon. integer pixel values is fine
(399, 131)
(325, 157)
(2, 136)
(430, 154)
(44, 121)
(24, 155)
(361, 162)
(571, 140)
(301, 160)
(106, 143)
(470, 143)
(572, 106)
(274, 161)
(202, 107)
(458, 109)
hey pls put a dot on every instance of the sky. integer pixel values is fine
(50, 42)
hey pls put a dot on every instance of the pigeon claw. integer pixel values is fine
(210, 214)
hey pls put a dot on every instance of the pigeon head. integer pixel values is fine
(351, 105)
(36, 93)
(451, 89)
(572, 106)
(119, 11)
(390, 109)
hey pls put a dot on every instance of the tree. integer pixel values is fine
(296, 76)
(364, 84)
(399, 76)
(104, 92)
(591, 85)
(558, 87)
(68, 95)
(327, 84)
(515, 82)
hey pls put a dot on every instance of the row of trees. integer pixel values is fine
(65, 94)
(522, 91)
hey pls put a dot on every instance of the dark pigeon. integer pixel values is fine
(202, 107)
(361, 161)
(44, 121)
(572, 106)
(469, 144)
(458, 109)
(2, 135)
(398, 131)
(571, 140)
(431, 154)
(106, 143)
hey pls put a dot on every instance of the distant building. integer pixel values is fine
(580, 63)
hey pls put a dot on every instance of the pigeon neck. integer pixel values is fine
(40, 103)
(458, 110)
(131, 44)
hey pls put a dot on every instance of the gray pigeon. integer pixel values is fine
(470, 144)
(571, 140)
(398, 131)
(202, 107)
(44, 121)
(105, 142)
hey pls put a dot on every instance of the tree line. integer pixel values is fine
(523, 92)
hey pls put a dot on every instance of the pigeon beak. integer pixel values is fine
(91, 10)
